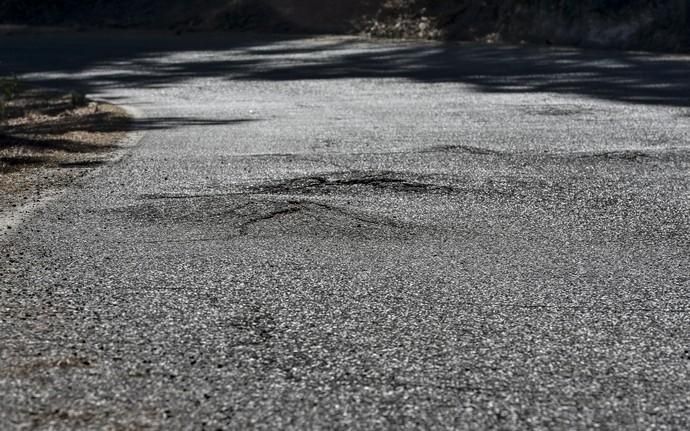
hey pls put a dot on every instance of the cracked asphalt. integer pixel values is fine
(330, 233)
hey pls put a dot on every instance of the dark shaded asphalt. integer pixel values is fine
(330, 233)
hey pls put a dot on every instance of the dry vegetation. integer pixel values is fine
(48, 138)
(626, 24)
(633, 24)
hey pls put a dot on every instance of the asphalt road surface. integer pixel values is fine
(340, 234)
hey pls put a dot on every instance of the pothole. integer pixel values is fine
(469, 149)
(631, 155)
(352, 182)
(225, 216)
(557, 110)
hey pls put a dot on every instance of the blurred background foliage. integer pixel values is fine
(627, 24)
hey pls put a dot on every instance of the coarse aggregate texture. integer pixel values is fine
(345, 234)
(46, 142)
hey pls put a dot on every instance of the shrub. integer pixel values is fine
(9, 88)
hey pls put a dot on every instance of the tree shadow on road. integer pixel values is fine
(105, 122)
(45, 128)
(153, 61)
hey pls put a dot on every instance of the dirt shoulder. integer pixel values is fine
(48, 139)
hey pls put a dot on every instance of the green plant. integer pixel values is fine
(9, 88)
(78, 99)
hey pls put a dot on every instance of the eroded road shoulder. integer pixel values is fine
(49, 139)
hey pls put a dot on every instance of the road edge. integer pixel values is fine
(17, 216)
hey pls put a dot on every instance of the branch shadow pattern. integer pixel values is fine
(636, 78)
(53, 138)
(106, 123)
(164, 61)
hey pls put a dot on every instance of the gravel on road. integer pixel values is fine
(336, 233)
